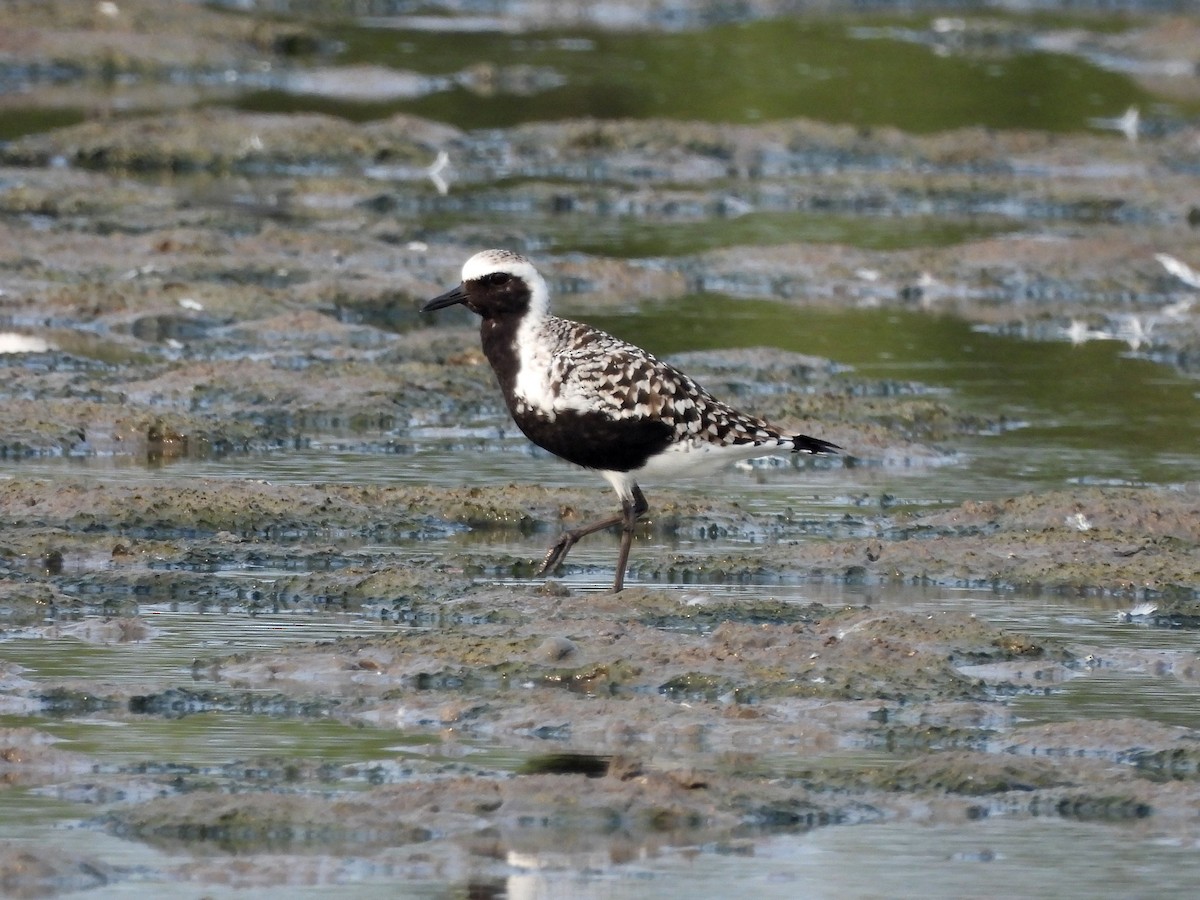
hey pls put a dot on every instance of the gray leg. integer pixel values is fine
(631, 511)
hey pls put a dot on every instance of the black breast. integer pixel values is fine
(596, 441)
(587, 439)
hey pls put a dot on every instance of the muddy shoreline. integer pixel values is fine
(202, 284)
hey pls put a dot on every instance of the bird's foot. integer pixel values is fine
(557, 553)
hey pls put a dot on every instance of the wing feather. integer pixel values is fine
(598, 373)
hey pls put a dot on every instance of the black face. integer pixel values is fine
(492, 295)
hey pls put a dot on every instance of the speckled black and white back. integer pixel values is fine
(592, 371)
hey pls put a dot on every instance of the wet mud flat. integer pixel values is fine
(208, 286)
(644, 722)
(549, 727)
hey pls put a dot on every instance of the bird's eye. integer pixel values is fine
(498, 278)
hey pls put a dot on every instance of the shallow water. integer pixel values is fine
(1047, 411)
(1048, 857)
(994, 858)
(1073, 429)
(626, 233)
(1047, 414)
(1066, 426)
(833, 71)
(865, 71)
(1056, 415)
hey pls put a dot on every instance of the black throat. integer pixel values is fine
(498, 335)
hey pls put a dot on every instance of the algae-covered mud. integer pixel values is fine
(267, 617)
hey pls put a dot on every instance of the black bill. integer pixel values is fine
(441, 301)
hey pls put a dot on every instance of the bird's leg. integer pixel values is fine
(559, 549)
(631, 510)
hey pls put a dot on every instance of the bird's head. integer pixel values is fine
(497, 283)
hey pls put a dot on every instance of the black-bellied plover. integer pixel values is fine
(598, 401)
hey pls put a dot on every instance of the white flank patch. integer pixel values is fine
(699, 457)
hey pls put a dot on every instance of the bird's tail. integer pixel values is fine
(802, 443)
